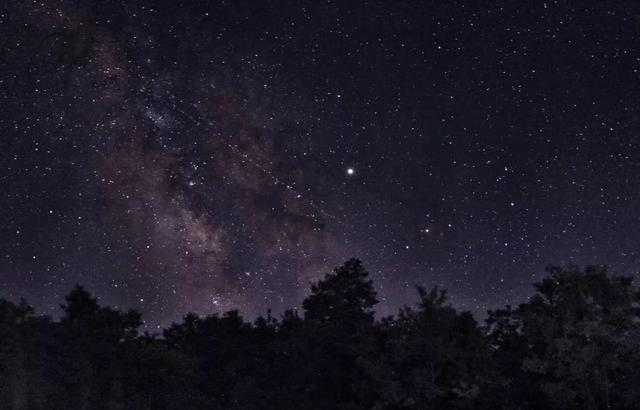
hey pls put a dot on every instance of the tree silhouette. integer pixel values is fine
(432, 357)
(343, 298)
(339, 319)
(21, 367)
(86, 353)
(575, 340)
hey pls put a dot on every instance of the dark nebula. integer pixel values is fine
(205, 155)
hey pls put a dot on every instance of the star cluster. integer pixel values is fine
(203, 156)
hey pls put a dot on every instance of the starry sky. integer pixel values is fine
(176, 156)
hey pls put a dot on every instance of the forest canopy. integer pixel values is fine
(574, 344)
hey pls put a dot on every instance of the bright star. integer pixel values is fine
(351, 171)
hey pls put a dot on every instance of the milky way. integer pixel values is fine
(203, 156)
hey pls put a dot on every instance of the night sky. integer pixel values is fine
(176, 156)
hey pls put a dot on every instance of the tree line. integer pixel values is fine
(574, 344)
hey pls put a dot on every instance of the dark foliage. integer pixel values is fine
(574, 345)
